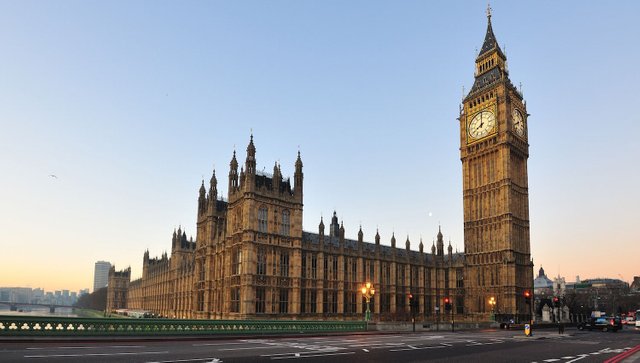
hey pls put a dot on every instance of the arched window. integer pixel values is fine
(286, 223)
(262, 219)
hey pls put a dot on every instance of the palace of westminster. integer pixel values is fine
(252, 260)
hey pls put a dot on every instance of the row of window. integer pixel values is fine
(481, 99)
(330, 264)
(263, 221)
(279, 298)
(486, 65)
(280, 262)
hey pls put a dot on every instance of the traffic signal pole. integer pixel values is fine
(453, 321)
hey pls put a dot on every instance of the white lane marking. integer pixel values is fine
(420, 348)
(213, 359)
(551, 360)
(77, 347)
(446, 345)
(126, 346)
(215, 344)
(261, 347)
(93, 354)
(365, 350)
(581, 356)
(312, 355)
(376, 344)
(97, 347)
(568, 357)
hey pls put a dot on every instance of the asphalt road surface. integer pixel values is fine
(468, 346)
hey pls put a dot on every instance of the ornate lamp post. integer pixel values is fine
(367, 293)
(492, 302)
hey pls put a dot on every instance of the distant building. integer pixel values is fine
(15, 294)
(117, 293)
(101, 275)
(635, 285)
(542, 282)
(559, 286)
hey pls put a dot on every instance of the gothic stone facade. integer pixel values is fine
(494, 150)
(118, 288)
(252, 260)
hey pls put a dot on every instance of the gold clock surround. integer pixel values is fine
(482, 124)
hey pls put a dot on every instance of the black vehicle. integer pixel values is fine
(612, 324)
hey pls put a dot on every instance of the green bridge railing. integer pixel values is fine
(63, 326)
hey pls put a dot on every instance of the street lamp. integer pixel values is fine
(367, 293)
(492, 302)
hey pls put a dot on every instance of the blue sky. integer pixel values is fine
(132, 103)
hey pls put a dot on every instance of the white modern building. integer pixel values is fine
(101, 275)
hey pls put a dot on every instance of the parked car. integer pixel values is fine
(602, 323)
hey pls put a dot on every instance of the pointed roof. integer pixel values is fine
(234, 162)
(251, 149)
(490, 41)
(214, 180)
(298, 162)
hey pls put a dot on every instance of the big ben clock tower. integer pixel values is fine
(494, 150)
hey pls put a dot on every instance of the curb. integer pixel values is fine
(629, 356)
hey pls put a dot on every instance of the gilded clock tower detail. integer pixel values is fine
(494, 150)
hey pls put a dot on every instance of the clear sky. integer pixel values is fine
(131, 103)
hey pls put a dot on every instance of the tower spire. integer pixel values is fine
(490, 42)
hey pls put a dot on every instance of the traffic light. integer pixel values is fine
(411, 300)
(447, 304)
(556, 301)
(527, 297)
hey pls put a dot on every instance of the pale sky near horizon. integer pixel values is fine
(132, 103)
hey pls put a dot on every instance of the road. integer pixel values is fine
(468, 346)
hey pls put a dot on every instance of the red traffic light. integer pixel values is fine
(527, 294)
(446, 300)
(410, 296)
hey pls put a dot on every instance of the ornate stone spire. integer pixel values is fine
(321, 227)
(251, 157)
(490, 41)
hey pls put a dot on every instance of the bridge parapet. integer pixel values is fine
(63, 326)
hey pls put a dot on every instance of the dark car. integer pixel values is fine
(603, 323)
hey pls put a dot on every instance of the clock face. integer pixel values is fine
(518, 122)
(481, 124)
